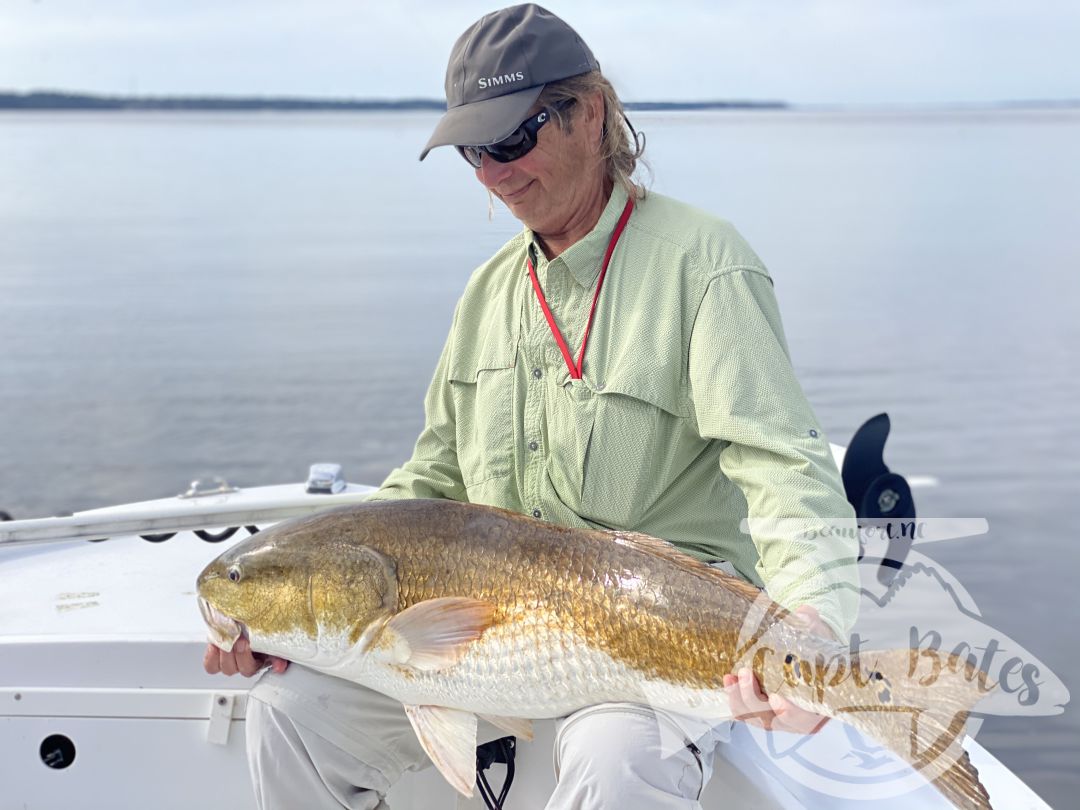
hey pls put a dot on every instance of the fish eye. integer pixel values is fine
(233, 573)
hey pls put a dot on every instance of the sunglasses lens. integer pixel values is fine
(506, 151)
(517, 144)
(513, 141)
(473, 154)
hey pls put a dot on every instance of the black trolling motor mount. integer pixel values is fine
(877, 493)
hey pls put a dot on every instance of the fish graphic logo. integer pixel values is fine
(927, 610)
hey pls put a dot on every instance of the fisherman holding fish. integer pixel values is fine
(619, 364)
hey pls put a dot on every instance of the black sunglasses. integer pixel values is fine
(519, 142)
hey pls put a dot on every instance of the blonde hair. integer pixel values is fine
(621, 146)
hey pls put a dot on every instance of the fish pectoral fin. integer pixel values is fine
(448, 736)
(518, 726)
(436, 633)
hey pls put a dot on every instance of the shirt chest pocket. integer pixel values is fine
(615, 445)
(483, 391)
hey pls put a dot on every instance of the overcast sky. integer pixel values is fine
(803, 51)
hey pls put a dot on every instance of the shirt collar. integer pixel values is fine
(583, 258)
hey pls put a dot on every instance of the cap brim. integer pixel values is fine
(483, 122)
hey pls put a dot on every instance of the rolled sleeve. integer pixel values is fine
(745, 394)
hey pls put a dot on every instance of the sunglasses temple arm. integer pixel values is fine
(639, 137)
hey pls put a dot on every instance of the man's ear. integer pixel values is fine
(594, 117)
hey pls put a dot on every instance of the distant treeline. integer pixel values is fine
(82, 101)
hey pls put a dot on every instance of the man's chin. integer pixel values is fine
(525, 211)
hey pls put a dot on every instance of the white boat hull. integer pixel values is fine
(102, 644)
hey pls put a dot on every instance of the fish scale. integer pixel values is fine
(456, 609)
(579, 595)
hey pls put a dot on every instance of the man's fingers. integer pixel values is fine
(750, 693)
(246, 663)
(227, 662)
(749, 704)
(809, 611)
(211, 661)
(752, 711)
(241, 660)
(787, 714)
(811, 618)
(790, 717)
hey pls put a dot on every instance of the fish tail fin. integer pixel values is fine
(960, 784)
(919, 710)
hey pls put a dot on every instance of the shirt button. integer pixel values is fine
(536, 513)
(534, 446)
(537, 373)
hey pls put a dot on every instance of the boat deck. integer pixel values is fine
(101, 644)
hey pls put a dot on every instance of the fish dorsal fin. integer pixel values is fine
(434, 634)
(518, 726)
(448, 736)
(645, 542)
(666, 551)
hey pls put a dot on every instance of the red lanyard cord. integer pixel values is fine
(575, 370)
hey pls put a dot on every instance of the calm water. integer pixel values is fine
(246, 294)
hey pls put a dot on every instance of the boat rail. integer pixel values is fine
(164, 517)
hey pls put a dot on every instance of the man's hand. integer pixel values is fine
(772, 712)
(241, 660)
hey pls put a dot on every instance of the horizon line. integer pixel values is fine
(54, 99)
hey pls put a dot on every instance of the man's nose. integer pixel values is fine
(491, 173)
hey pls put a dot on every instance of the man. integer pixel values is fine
(620, 364)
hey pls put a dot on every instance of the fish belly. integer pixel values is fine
(534, 675)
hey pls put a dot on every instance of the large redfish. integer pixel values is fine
(460, 610)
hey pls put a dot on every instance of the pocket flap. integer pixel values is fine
(658, 389)
(488, 347)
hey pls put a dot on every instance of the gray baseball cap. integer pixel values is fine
(497, 70)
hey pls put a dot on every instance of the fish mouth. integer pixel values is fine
(224, 631)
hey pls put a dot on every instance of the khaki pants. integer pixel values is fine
(323, 743)
(320, 742)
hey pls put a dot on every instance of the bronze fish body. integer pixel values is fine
(459, 610)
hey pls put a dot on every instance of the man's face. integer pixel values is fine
(547, 188)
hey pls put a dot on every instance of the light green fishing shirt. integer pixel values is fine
(687, 420)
